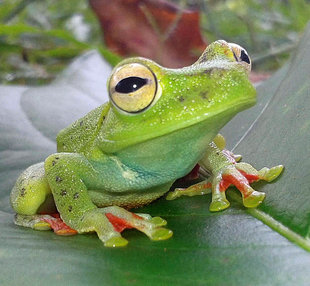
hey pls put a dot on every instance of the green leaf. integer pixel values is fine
(233, 247)
(280, 127)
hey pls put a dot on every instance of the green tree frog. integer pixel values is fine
(158, 124)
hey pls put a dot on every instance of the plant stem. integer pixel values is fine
(275, 225)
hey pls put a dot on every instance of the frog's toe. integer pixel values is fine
(199, 189)
(219, 205)
(174, 194)
(237, 157)
(116, 241)
(254, 199)
(160, 234)
(271, 174)
(36, 222)
(41, 225)
(158, 221)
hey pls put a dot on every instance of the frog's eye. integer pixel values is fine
(241, 55)
(245, 57)
(132, 87)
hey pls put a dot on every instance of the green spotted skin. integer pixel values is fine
(110, 158)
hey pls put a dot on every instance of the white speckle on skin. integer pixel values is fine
(125, 172)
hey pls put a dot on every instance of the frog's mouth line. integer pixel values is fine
(231, 111)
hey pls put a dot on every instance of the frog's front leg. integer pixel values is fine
(70, 176)
(225, 171)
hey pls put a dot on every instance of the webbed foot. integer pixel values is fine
(109, 222)
(226, 170)
(238, 174)
(151, 226)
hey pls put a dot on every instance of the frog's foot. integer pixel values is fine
(109, 222)
(237, 174)
(151, 226)
(241, 175)
(44, 222)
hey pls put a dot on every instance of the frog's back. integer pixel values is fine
(79, 134)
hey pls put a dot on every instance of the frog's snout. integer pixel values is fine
(223, 51)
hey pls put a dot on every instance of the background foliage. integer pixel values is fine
(38, 38)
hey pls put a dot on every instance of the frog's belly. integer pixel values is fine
(128, 200)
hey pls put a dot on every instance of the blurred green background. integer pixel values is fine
(38, 38)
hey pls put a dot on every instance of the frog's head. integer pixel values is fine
(149, 101)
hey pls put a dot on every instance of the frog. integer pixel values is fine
(157, 125)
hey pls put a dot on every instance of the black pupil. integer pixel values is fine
(130, 84)
(244, 57)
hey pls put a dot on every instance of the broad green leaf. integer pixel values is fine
(233, 247)
(283, 132)
(279, 125)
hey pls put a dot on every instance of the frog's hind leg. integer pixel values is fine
(31, 192)
(32, 200)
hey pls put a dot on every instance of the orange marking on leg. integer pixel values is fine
(207, 185)
(200, 187)
(250, 177)
(241, 183)
(136, 216)
(119, 224)
(59, 227)
(224, 185)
